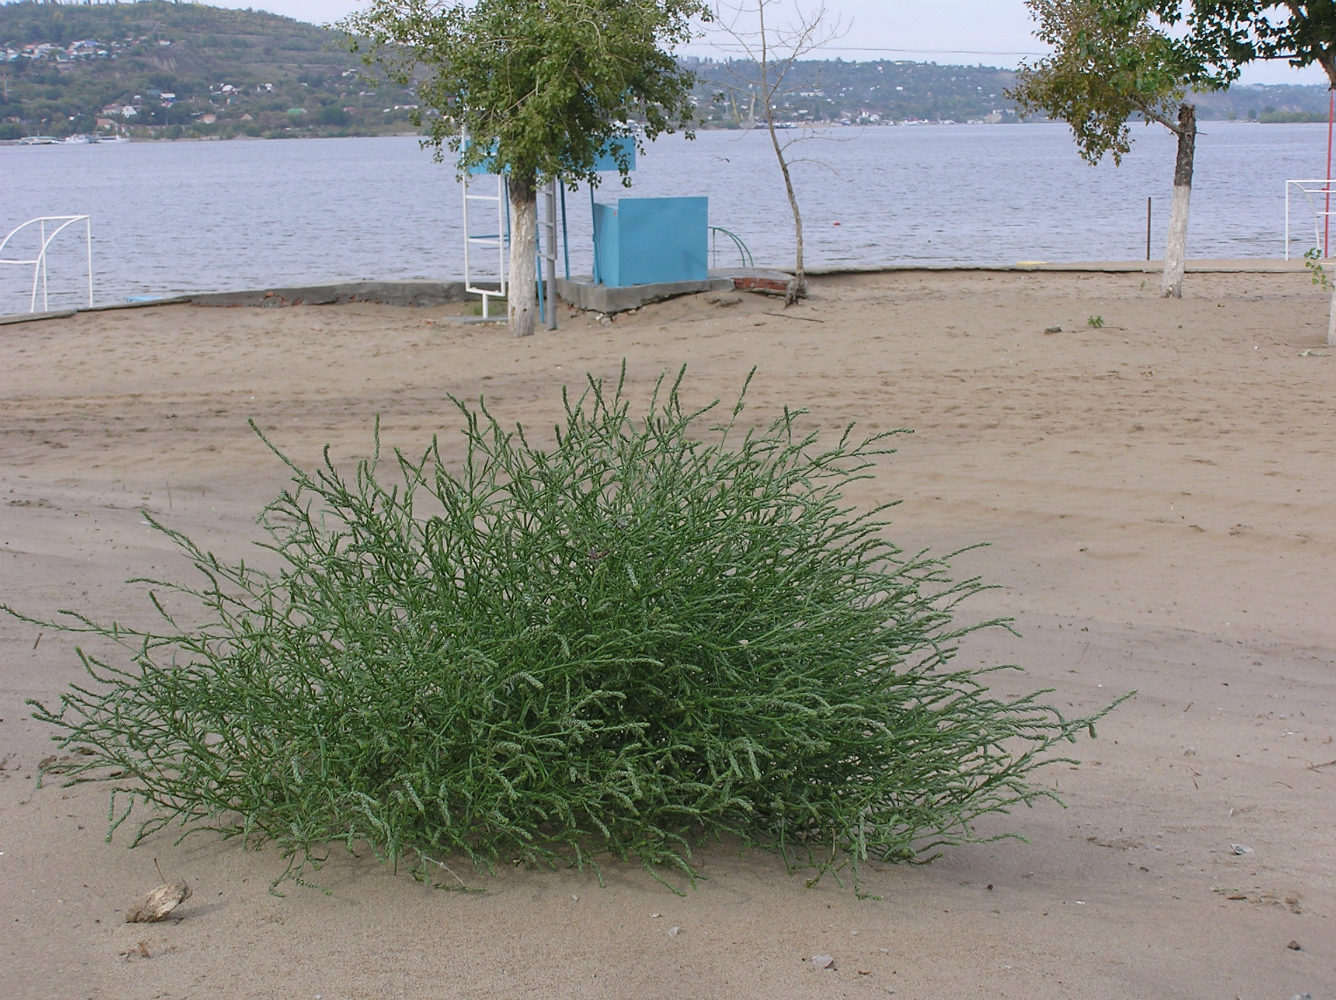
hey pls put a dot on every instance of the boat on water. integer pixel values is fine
(78, 139)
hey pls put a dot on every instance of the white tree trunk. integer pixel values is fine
(521, 296)
(1176, 247)
(1331, 318)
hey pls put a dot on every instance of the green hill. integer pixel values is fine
(183, 69)
(899, 90)
(881, 91)
(155, 69)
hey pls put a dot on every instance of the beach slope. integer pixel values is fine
(1157, 480)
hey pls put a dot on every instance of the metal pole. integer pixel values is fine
(88, 246)
(1148, 228)
(1327, 211)
(550, 271)
(593, 221)
(1287, 220)
(503, 243)
(42, 255)
(565, 235)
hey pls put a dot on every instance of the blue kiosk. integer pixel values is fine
(659, 244)
(651, 241)
(648, 241)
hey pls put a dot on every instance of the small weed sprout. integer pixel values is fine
(654, 632)
(1094, 322)
(496, 306)
(1313, 261)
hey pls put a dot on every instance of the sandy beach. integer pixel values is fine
(1157, 482)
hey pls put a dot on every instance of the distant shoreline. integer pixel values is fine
(817, 127)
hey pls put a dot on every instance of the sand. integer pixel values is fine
(1156, 480)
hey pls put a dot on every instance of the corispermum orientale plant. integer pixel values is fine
(648, 632)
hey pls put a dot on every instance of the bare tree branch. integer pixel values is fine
(769, 48)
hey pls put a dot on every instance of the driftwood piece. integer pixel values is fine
(158, 903)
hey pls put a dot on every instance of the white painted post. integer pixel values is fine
(1331, 318)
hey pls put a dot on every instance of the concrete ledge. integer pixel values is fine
(392, 293)
(34, 317)
(583, 293)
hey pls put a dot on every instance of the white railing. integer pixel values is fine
(478, 281)
(48, 228)
(1323, 188)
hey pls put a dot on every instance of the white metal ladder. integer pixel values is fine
(58, 223)
(480, 247)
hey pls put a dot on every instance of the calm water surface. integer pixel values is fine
(204, 216)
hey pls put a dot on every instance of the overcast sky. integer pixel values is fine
(991, 32)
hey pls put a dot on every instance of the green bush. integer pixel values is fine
(651, 632)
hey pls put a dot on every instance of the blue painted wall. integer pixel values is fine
(645, 241)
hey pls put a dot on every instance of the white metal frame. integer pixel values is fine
(1319, 187)
(60, 223)
(486, 242)
(547, 249)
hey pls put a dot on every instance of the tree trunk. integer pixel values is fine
(521, 295)
(798, 288)
(1331, 318)
(1176, 249)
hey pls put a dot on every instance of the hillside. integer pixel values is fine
(155, 69)
(158, 68)
(885, 91)
(879, 92)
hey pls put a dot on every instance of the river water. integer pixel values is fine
(170, 218)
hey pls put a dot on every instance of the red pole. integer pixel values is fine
(1326, 216)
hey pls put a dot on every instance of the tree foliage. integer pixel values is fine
(1111, 62)
(538, 87)
(773, 50)
(1106, 69)
(1236, 32)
